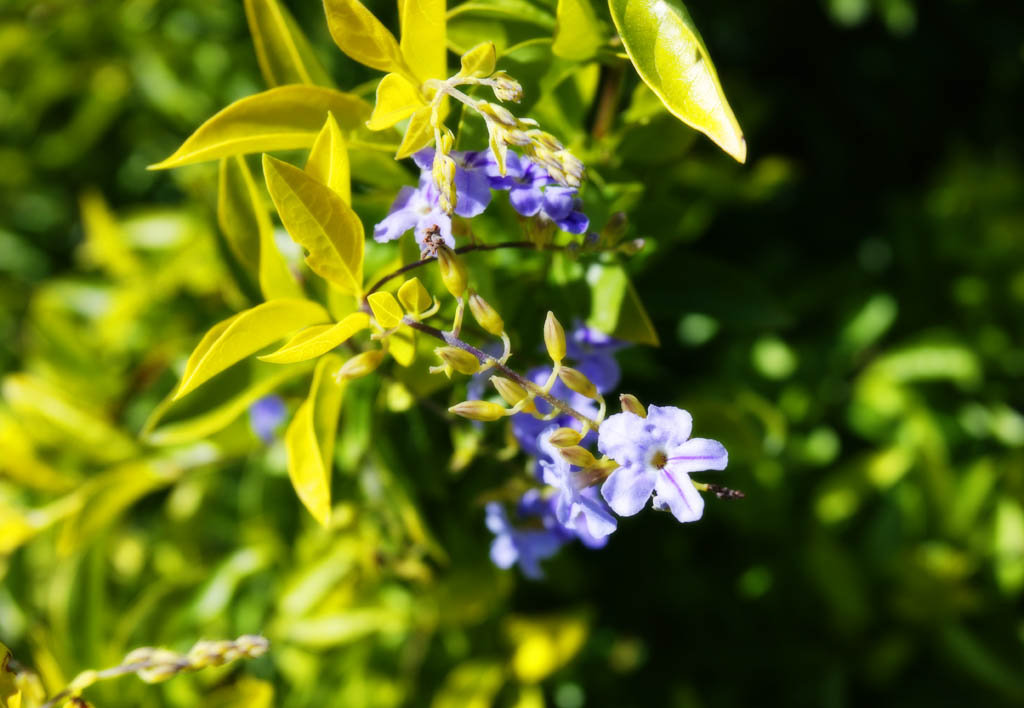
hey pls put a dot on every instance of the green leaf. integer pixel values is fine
(235, 338)
(413, 296)
(397, 99)
(423, 38)
(320, 221)
(517, 10)
(418, 134)
(320, 339)
(283, 52)
(309, 439)
(10, 694)
(479, 61)
(242, 215)
(616, 308)
(578, 34)
(328, 160)
(386, 309)
(362, 36)
(472, 684)
(670, 56)
(282, 118)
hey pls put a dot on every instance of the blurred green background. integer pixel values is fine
(843, 312)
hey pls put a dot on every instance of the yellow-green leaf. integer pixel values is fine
(283, 52)
(413, 296)
(243, 218)
(314, 341)
(542, 646)
(578, 34)
(397, 99)
(386, 309)
(362, 36)
(10, 694)
(424, 44)
(472, 684)
(320, 221)
(418, 134)
(479, 61)
(237, 337)
(616, 308)
(309, 439)
(670, 56)
(282, 118)
(328, 160)
(402, 346)
(105, 245)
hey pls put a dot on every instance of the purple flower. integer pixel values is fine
(527, 429)
(472, 185)
(525, 547)
(657, 455)
(416, 208)
(532, 192)
(594, 354)
(573, 508)
(266, 416)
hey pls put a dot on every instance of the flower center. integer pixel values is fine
(659, 459)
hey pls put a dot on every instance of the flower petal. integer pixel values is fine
(503, 551)
(669, 424)
(621, 437)
(575, 222)
(598, 518)
(627, 489)
(559, 201)
(696, 455)
(525, 200)
(676, 493)
(473, 192)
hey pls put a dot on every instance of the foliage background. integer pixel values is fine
(842, 312)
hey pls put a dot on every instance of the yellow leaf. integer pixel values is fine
(243, 219)
(386, 309)
(402, 346)
(397, 99)
(578, 34)
(105, 244)
(320, 221)
(472, 684)
(282, 118)
(309, 439)
(479, 61)
(542, 646)
(424, 44)
(418, 134)
(283, 52)
(314, 341)
(328, 160)
(413, 296)
(362, 36)
(237, 337)
(670, 56)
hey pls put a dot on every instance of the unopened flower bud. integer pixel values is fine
(632, 404)
(361, 364)
(485, 315)
(447, 141)
(458, 359)
(579, 456)
(506, 88)
(615, 229)
(453, 271)
(509, 390)
(633, 247)
(577, 381)
(443, 173)
(478, 410)
(252, 645)
(554, 338)
(499, 113)
(565, 437)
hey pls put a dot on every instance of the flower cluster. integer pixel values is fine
(532, 192)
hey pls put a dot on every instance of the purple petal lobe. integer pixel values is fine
(696, 455)
(676, 493)
(627, 489)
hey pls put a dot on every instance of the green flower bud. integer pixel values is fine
(631, 404)
(453, 271)
(577, 381)
(554, 338)
(579, 456)
(458, 359)
(565, 437)
(485, 315)
(361, 364)
(509, 390)
(478, 410)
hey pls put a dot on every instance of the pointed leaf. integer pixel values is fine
(328, 160)
(616, 308)
(310, 437)
(386, 309)
(282, 118)
(283, 52)
(243, 218)
(418, 134)
(479, 61)
(413, 296)
(237, 337)
(397, 99)
(670, 56)
(362, 36)
(320, 221)
(314, 341)
(424, 44)
(578, 34)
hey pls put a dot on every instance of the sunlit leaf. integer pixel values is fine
(282, 118)
(402, 346)
(479, 61)
(245, 223)
(670, 56)
(397, 99)
(243, 334)
(423, 38)
(578, 34)
(517, 10)
(105, 245)
(413, 296)
(473, 684)
(328, 160)
(542, 646)
(418, 134)
(283, 52)
(310, 439)
(616, 307)
(319, 220)
(320, 339)
(386, 309)
(362, 36)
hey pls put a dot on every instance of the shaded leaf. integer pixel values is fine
(578, 34)
(283, 52)
(616, 308)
